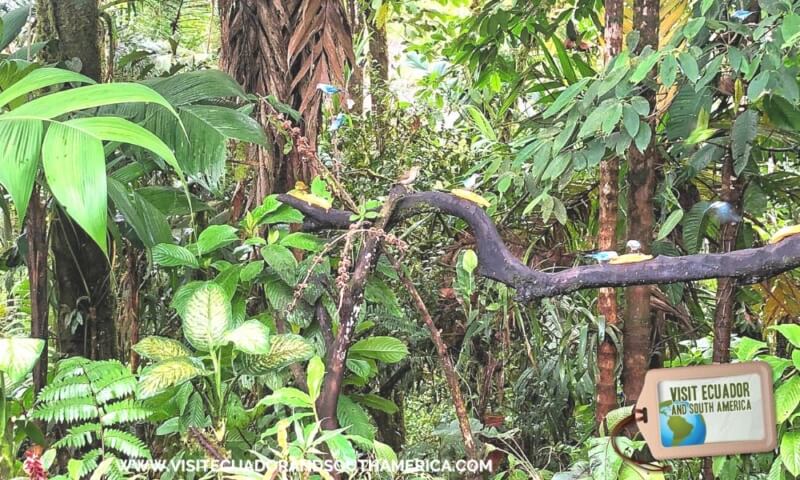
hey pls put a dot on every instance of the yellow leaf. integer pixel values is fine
(283, 436)
(311, 199)
(471, 196)
(784, 232)
(300, 186)
(382, 15)
(630, 258)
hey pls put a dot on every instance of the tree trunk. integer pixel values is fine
(262, 53)
(82, 272)
(356, 87)
(607, 238)
(726, 287)
(641, 220)
(36, 230)
(72, 29)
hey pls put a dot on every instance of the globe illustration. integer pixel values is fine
(680, 430)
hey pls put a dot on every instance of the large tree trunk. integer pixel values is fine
(607, 238)
(285, 48)
(82, 272)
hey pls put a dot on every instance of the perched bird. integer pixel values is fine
(467, 192)
(301, 192)
(633, 246)
(741, 15)
(337, 122)
(471, 182)
(409, 177)
(724, 212)
(784, 232)
(328, 89)
(602, 257)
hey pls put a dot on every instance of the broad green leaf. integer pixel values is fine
(790, 451)
(314, 376)
(670, 223)
(148, 223)
(643, 68)
(251, 270)
(75, 168)
(161, 348)
(91, 96)
(376, 402)
(689, 66)
(20, 147)
(207, 317)
(302, 241)
(384, 349)
(168, 373)
(359, 367)
(342, 451)
(228, 122)
(282, 262)
(115, 129)
(693, 231)
(288, 396)
(198, 86)
(169, 255)
(789, 330)
(250, 337)
(743, 134)
(12, 23)
(630, 120)
(642, 139)
(787, 398)
(565, 97)
(481, 122)
(790, 29)
(40, 78)
(469, 260)
(693, 26)
(384, 453)
(747, 348)
(612, 118)
(18, 356)
(354, 418)
(668, 70)
(284, 350)
(215, 237)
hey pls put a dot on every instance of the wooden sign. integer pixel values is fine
(708, 410)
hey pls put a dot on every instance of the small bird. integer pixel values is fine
(603, 257)
(409, 177)
(633, 246)
(328, 89)
(724, 212)
(301, 192)
(337, 122)
(784, 233)
(471, 182)
(741, 15)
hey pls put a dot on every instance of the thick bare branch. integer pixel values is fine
(497, 263)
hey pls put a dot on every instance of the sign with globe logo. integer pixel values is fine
(707, 410)
(685, 429)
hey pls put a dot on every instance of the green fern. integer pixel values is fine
(94, 398)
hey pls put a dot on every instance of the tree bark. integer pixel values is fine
(72, 28)
(82, 272)
(352, 297)
(36, 230)
(641, 221)
(608, 189)
(462, 414)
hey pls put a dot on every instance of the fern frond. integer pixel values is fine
(124, 411)
(125, 443)
(79, 437)
(67, 411)
(62, 389)
(113, 388)
(89, 462)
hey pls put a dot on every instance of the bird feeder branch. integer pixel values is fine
(496, 262)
